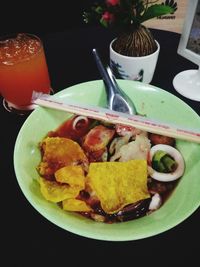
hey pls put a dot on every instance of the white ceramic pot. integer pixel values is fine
(134, 68)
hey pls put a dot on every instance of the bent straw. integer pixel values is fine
(115, 117)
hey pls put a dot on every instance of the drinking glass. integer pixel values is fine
(23, 69)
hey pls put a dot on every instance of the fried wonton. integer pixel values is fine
(75, 205)
(118, 184)
(58, 152)
(72, 175)
(70, 180)
(56, 192)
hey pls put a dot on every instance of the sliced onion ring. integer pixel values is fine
(77, 119)
(176, 155)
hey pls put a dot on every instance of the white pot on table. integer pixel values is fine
(134, 68)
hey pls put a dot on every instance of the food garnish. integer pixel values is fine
(167, 163)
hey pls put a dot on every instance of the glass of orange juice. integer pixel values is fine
(23, 69)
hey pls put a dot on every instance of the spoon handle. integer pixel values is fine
(109, 84)
(117, 100)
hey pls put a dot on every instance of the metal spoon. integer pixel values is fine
(116, 99)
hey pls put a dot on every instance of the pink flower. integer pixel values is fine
(107, 16)
(112, 2)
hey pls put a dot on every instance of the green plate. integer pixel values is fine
(152, 101)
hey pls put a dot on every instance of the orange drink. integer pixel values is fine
(23, 69)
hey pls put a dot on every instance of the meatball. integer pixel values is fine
(161, 139)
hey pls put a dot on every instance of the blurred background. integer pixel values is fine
(172, 22)
(56, 16)
(34, 17)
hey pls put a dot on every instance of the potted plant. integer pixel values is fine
(134, 52)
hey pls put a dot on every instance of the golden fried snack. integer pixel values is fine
(72, 175)
(56, 192)
(117, 184)
(58, 152)
(75, 205)
(70, 180)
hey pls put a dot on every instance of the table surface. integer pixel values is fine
(28, 237)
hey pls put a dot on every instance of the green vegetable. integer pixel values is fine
(163, 162)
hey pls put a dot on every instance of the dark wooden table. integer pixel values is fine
(29, 239)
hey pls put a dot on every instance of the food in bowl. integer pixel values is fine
(105, 172)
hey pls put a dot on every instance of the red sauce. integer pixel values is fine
(67, 130)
